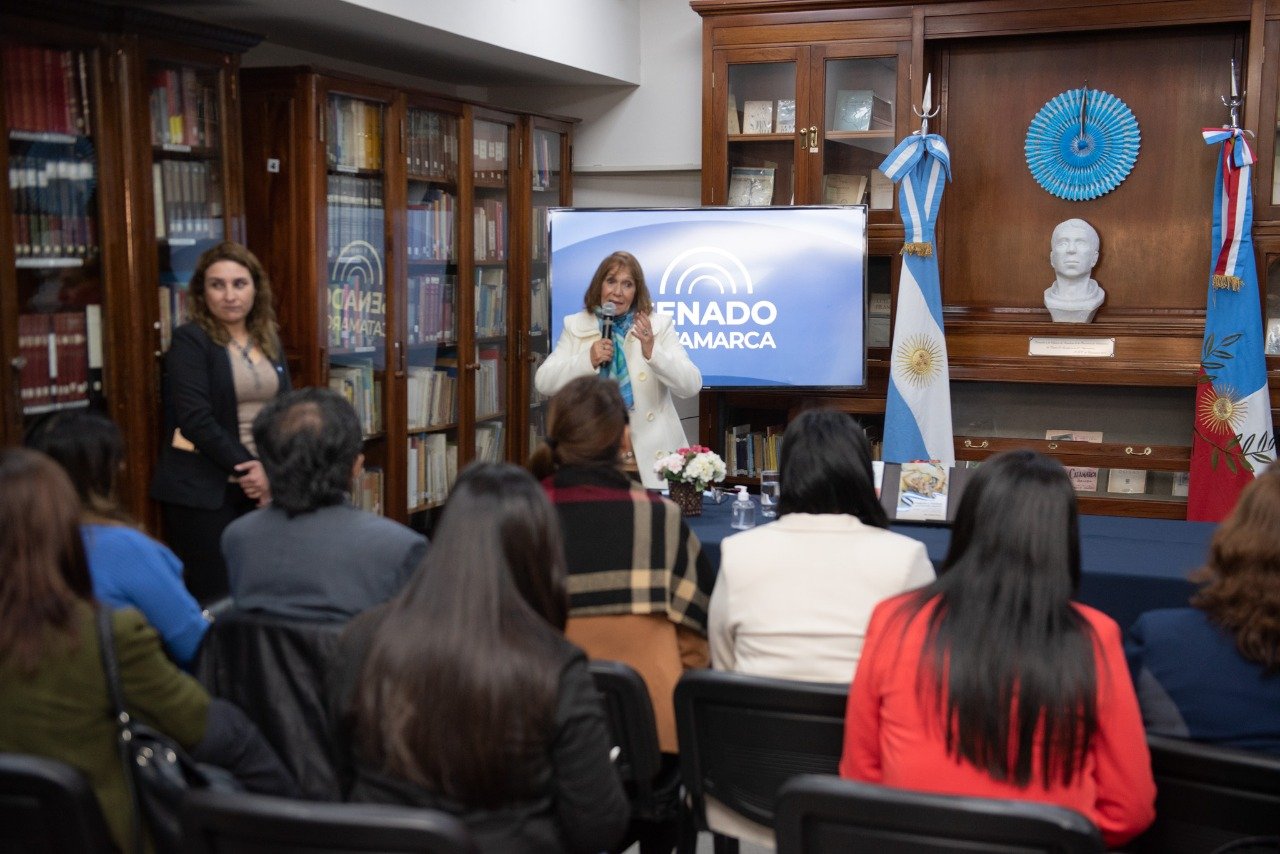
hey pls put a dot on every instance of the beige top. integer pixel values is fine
(256, 383)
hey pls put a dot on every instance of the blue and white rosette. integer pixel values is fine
(1078, 165)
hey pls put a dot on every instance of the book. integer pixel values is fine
(1083, 478)
(750, 187)
(922, 492)
(840, 189)
(861, 110)
(881, 190)
(785, 115)
(1181, 484)
(757, 117)
(1127, 481)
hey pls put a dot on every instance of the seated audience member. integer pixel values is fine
(991, 682)
(53, 692)
(1212, 672)
(128, 568)
(638, 580)
(462, 693)
(793, 597)
(310, 554)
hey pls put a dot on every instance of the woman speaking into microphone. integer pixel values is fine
(618, 336)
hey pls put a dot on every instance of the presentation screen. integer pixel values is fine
(760, 297)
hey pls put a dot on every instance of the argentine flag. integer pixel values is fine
(917, 418)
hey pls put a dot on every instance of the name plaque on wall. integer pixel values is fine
(1072, 348)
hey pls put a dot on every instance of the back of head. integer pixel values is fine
(1242, 593)
(585, 423)
(308, 440)
(43, 571)
(90, 450)
(481, 616)
(825, 467)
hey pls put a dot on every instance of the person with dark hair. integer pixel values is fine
(128, 568)
(642, 354)
(310, 554)
(991, 681)
(1211, 672)
(793, 597)
(638, 578)
(462, 694)
(53, 691)
(221, 368)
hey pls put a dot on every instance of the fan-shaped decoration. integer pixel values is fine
(1082, 144)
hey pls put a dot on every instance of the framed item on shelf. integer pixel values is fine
(785, 120)
(757, 117)
(861, 110)
(750, 187)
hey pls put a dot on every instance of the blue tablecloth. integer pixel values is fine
(1129, 565)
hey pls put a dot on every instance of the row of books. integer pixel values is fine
(489, 442)
(355, 212)
(355, 381)
(546, 161)
(491, 302)
(63, 359)
(52, 201)
(489, 152)
(432, 469)
(539, 306)
(174, 310)
(845, 189)
(355, 134)
(489, 377)
(357, 316)
(433, 395)
(490, 234)
(749, 452)
(541, 242)
(184, 108)
(433, 144)
(367, 491)
(762, 116)
(431, 311)
(188, 199)
(45, 90)
(432, 233)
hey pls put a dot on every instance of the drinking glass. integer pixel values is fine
(769, 489)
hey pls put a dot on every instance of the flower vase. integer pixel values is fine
(687, 497)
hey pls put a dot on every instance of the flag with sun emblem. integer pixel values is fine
(1233, 438)
(917, 416)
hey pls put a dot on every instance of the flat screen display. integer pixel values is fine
(760, 297)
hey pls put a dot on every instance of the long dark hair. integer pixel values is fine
(43, 571)
(825, 467)
(1005, 647)
(89, 448)
(261, 321)
(585, 423)
(459, 688)
(1242, 589)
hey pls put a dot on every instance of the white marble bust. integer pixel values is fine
(1073, 297)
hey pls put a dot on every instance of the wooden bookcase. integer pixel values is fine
(994, 64)
(404, 277)
(82, 262)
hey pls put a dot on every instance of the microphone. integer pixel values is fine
(607, 309)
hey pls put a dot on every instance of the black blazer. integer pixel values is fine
(200, 400)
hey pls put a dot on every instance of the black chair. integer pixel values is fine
(819, 813)
(1209, 797)
(239, 823)
(742, 737)
(274, 669)
(652, 785)
(48, 806)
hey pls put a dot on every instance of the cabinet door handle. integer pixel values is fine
(813, 139)
(969, 443)
(1145, 452)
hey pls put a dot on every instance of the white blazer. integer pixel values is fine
(655, 425)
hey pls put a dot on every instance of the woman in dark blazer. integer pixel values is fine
(221, 368)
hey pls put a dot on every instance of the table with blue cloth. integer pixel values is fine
(1128, 565)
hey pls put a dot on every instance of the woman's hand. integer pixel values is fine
(253, 480)
(601, 352)
(642, 328)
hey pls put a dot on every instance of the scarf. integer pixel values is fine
(618, 369)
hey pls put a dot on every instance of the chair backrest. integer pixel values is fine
(274, 669)
(742, 737)
(825, 813)
(1208, 796)
(631, 726)
(46, 805)
(241, 823)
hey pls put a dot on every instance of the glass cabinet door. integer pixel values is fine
(431, 300)
(492, 145)
(356, 290)
(1271, 307)
(762, 131)
(859, 110)
(548, 180)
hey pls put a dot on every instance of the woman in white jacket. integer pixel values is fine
(643, 353)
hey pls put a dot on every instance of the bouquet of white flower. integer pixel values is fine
(695, 465)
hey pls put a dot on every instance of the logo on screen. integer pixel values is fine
(705, 278)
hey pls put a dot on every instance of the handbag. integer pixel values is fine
(157, 771)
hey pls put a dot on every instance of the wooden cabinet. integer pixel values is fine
(397, 230)
(994, 64)
(86, 246)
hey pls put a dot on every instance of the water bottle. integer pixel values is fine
(744, 511)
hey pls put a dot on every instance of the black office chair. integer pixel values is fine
(820, 813)
(48, 806)
(1209, 798)
(240, 823)
(742, 737)
(653, 786)
(274, 669)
